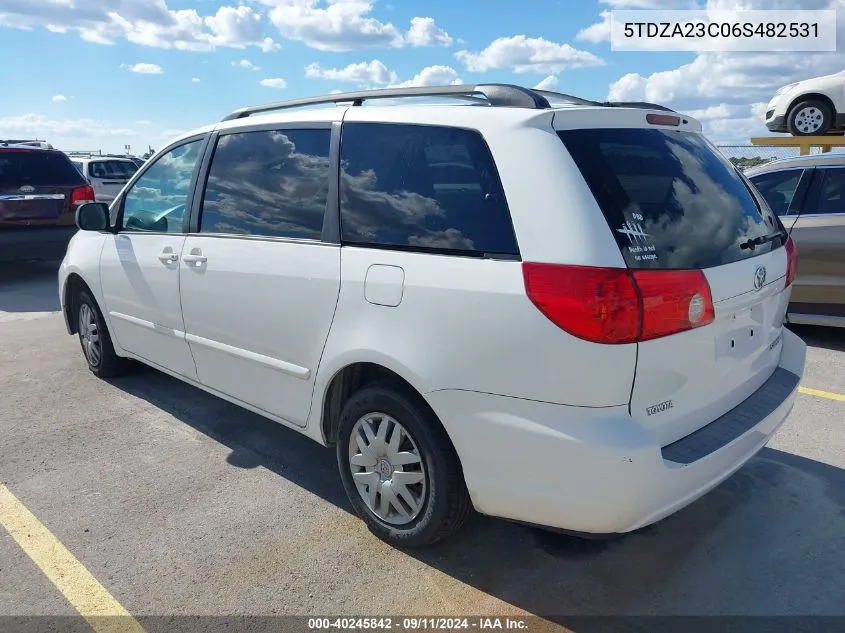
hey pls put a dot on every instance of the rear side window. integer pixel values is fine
(37, 168)
(272, 183)
(424, 188)
(829, 196)
(778, 188)
(112, 169)
(671, 200)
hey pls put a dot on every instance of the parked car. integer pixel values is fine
(808, 108)
(808, 193)
(107, 175)
(40, 191)
(568, 315)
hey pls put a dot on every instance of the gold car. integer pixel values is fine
(808, 194)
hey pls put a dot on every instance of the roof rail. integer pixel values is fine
(27, 143)
(559, 95)
(499, 95)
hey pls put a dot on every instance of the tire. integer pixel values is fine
(810, 118)
(436, 481)
(94, 335)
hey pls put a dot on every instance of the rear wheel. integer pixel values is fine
(95, 340)
(399, 470)
(810, 118)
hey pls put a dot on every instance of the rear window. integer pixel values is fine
(112, 169)
(422, 188)
(671, 200)
(37, 168)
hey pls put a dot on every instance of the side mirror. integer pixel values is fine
(93, 216)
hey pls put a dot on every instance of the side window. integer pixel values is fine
(778, 188)
(832, 192)
(272, 183)
(156, 201)
(423, 187)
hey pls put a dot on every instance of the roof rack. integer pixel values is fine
(558, 95)
(499, 95)
(27, 142)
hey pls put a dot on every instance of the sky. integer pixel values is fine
(103, 74)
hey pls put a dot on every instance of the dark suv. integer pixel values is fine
(40, 190)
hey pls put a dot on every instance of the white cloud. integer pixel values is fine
(146, 69)
(195, 80)
(245, 63)
(149, 23)
(275, 82)
(39, 126)
(651, 4)
(424, 32)
(734, 78)
(346, 25)
(549, 83)
(142, 122)
(598, 32)
(725, 123)
(59, 98)
(527, 55)
(373, 72)
(433, 76)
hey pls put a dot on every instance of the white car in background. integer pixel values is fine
(107, 174)
(810, 107)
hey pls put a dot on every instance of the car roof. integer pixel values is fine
(482, 104)
(811, 160)
(26, 146)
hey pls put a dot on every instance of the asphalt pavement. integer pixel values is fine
(179, 503)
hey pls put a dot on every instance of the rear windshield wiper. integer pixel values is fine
(759, 241)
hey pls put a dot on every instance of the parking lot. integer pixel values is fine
(178, 503)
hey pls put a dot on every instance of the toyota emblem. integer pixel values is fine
(27, 189)
(759, 277)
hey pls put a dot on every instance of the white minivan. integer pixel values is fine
(107, 174)
(541, 308)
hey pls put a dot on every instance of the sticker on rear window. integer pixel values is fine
(639, 246)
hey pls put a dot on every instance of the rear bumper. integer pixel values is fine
(26, 243)
(597, 471)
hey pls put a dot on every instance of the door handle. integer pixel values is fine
(168, 258)
(194, 258)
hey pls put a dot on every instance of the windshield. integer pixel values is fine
(670, 198)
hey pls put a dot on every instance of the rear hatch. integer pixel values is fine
(709, 262)
(109, 176)
(36, 186)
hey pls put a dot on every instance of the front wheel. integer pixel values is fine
(95, 340)
(399, 470)
(810, 118)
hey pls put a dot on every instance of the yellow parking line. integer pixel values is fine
(85, 594)
(822, 394)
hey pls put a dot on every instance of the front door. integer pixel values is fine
(259, 284)
(819, 234)
(139, 265)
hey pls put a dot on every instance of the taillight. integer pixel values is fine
(616, 305)
(81, 195)
(673, 301)
(791, 261)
